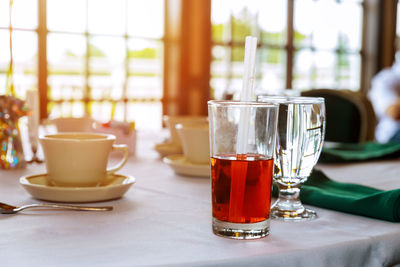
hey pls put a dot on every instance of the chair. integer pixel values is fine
(350, 117)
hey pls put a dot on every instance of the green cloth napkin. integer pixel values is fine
(323, 192)
(359, 152)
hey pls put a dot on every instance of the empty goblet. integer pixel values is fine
(300, 135)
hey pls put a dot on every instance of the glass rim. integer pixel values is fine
(238, 103)
(291, 99)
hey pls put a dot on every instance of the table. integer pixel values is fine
(165, 219)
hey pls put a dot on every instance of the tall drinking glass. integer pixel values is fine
(300, 135)
(242, 142)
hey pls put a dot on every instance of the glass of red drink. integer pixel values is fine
(242, 143)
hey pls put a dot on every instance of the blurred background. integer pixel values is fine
(134, 60)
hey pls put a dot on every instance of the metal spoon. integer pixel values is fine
(9, 209)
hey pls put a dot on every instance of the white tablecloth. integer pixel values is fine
(165, 219)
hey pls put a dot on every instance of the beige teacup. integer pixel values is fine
(80, 159)
(172, 121)
(195, 141)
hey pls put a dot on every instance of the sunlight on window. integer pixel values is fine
(145, 71)
(326, 45)
(234, 23)
(25, 62)
(123, 53)
(4, 58)
(106, 65)
(66, 67)
(4, 17)
(323, 29)
(61, 11)
(24, 15)
(106, 16)
(334, 43)
(104, 57)
(146, 21)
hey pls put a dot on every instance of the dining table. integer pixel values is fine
(164, 219)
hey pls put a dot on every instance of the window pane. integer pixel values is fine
(101, 111)
(219, 87)
(320, 29)
(303, 67)
(146, 18)
(321, 70)
(221, 21)
(325, 70)
(323, 28)
(272, 20)
(106, 16)
(54, 110)
(66, 109)
(4, 14)
(107, 72)
(24, 14)
(220, 71)
(152, 119)
(145, 69)
(66, 53)
(4, 58)
(78, 109)
(25, 61)
(244, 24)
(349, 76)
(235, 84)
(119, 111)
(60, 12)
(350, 25)
(272, 70)
(265, 19)
(66, 66)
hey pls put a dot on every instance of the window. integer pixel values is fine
(99, 60)
(24, 40)
(106, 58)
(302, 44)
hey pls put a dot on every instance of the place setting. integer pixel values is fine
(195, 160)
(173, 144)
(76, 164)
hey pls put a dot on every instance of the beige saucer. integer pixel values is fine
(166, 149)
(38, 187)
(181, 166)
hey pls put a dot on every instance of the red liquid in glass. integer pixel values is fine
(241, 188)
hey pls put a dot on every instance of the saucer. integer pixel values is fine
(165, 149)
(181, 166)
(38, 187)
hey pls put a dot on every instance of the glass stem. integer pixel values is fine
(289, 193)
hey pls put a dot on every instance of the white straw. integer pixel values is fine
(247, 93)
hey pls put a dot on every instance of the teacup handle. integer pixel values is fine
(123, 148)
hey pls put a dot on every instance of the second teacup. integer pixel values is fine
(70, 124)
(195, 141)
(172, 121)
(80, 159)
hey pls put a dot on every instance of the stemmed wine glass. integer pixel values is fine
(300, 135)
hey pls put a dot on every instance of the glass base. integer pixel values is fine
(241, 230)
(294, 213)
